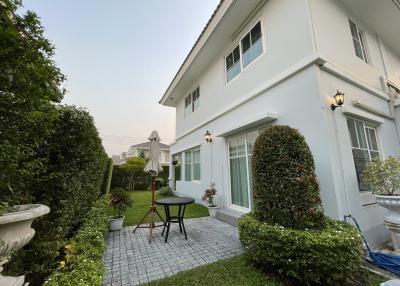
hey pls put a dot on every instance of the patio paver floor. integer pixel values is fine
(131, 260)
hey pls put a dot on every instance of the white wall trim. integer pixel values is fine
(353, 79)
(371, 109)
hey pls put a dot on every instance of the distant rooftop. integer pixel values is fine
(146, 145)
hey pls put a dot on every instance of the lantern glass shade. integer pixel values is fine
(207, 136)
(339, 98)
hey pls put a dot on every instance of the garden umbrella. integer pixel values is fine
(153, 167)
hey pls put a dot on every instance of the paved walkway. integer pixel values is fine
(131, 260)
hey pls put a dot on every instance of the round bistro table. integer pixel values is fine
(181, 203)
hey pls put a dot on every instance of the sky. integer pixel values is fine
(120, 56)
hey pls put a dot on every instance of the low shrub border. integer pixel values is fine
(83, 262)
(329, 257)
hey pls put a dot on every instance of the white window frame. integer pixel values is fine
(239, 43)
(366, 126)
(192, 108)
(235, 137)
(362, 42)
(191, 151)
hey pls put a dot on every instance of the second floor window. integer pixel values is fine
(358, 42)
(252, 45)
(249, 49)
(192, 101)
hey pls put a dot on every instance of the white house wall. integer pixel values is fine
(335, 43)
(282, 48)
(287, 80)
(296, 102)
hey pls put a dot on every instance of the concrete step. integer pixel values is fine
(229, 216)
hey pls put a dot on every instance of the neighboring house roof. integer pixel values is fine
(146, 145)
(166, 94)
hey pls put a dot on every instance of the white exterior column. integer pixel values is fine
(171, 177)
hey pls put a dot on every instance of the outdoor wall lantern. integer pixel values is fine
(339, 99)
(174, 162)
(208, 137)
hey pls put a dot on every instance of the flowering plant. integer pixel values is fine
(120, 202)
(209, 194)
(383, 176)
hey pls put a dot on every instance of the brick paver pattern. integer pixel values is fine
(131, 260)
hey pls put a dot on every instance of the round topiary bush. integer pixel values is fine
(288, 232)
(332, 256)
(286, 190)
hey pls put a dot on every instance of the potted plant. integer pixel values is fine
(208, 197)
(383, 176)
(120, 201)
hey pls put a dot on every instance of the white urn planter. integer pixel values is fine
(15, 232)
(213, 211)
(115, 224)
(392, 220)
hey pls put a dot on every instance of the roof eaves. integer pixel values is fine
(165, 96)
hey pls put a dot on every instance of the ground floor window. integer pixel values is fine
(178, 167)
(240, 158)
(364, 143)
(192, 165)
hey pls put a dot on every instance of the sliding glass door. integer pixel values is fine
(240, 156)
(238, 169)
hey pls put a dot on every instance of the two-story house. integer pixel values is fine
(143, 150)
(264, 62)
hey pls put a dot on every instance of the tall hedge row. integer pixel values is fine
(74, 166)
(49, 153)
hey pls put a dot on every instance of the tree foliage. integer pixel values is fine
(29, 87)
(49, 153)
(285, 186)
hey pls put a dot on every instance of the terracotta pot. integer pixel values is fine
(15, 232)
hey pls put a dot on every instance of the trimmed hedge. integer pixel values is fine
(328, 257)
(285, 187)
(83, 262)
(74, 164)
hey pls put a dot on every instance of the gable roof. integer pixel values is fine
(186, 60)
(146, 145)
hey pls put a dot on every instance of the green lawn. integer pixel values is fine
(238, 272)
(232, 272)
(142, 202)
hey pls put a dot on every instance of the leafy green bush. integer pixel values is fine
(286, 190)
(74, 164)
(383, 176)
(327, 257)
(131, 175)
(165, 192)
(29, 87)
(83, 262)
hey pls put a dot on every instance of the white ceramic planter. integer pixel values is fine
(115, 224)
(392, 220)
(213, 211)
(15, 232)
